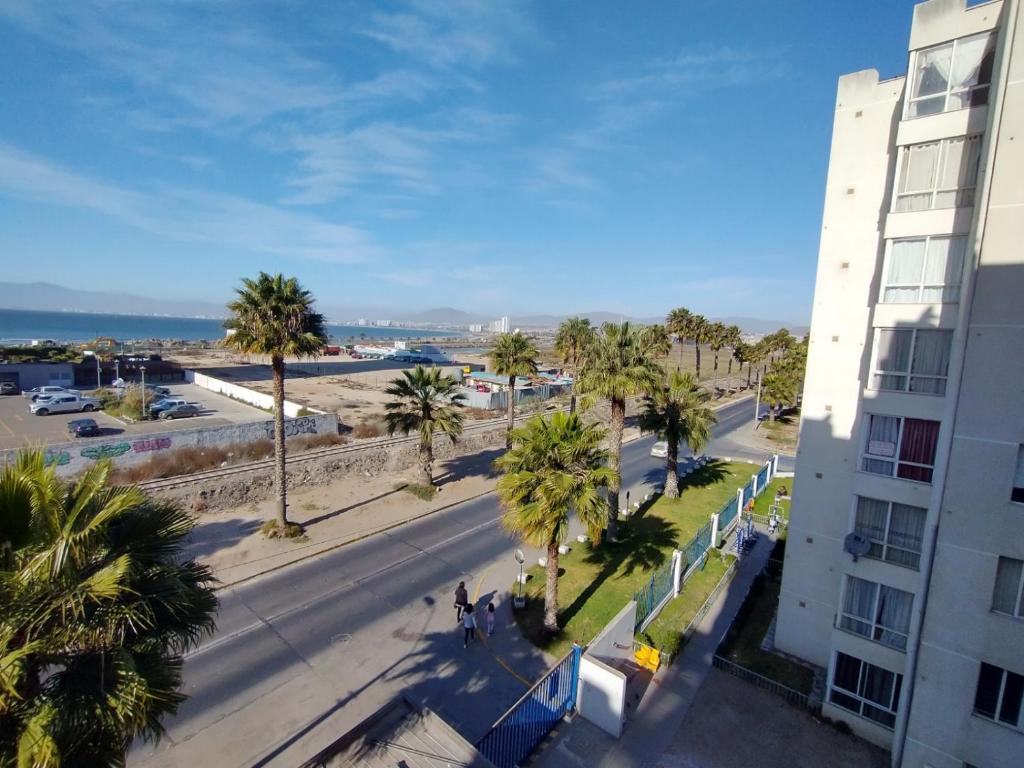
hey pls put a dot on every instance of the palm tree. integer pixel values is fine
(556, 465)
(699, 328)
(744, 354)
(677, 412)
(655, 341)
(97, 608)
(424, 401)
(274, 315)
(733, 338)
(716, 338)
(621, 366)
(572, 342)
(678, 323)
(778, 389)
(513, 355)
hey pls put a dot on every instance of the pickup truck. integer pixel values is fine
(64, 404)
(39, 393)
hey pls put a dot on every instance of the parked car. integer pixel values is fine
(154, 389)
(84, 428)
(182, 411)
(163, 404)
(8, 388)
(64, 404)
(660, 449)
(39, 392)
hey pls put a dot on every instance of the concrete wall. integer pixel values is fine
(72, 458)
(30, 375)
(498, 401)
(602, 694)
(246, 395)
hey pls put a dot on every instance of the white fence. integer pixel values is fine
(602, 693)
(246, 395)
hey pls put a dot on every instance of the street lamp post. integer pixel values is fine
(142, 413)
(117, 368)
(520, 601)
(99, 375)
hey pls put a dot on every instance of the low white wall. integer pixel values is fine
(246, 395)
(72, 458)
(602, 695)
(615, 641)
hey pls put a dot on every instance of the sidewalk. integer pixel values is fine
(652, 727)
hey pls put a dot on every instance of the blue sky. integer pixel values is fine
(498, 157)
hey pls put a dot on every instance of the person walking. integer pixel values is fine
(490, 619)
(469, 624)
(461, 600)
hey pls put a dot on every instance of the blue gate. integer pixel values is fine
(649, 597)
(530, 719)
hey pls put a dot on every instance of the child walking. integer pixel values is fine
(469, 624)
(490, 619)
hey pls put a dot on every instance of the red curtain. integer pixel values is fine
(920, 439)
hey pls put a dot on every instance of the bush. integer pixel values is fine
(185, 461)
(420, 491)
(365, 429)
(272, 530)
(304, 411)
(306, 442)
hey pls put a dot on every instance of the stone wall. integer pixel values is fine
(126, 451)
(399, 460)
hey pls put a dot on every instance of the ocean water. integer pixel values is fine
(22, 325)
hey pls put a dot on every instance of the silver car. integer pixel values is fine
(64, 404)
(39, 393)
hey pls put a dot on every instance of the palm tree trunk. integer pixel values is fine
(696, 345)
(771, 413)
(729, 372)
(672, 468)
(280, 479)
(714, 385)
(511, 410)
(618, 408)
(749, 366)
(551, 589)
(426, 458)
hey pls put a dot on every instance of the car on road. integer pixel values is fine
(64, 404)
(8, 388)
(155, 389)
(182, 411)
(660, 449)
(38, 393)
(84, 428)
(162, 404)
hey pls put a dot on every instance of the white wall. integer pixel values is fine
(602, 695)
(246, 395)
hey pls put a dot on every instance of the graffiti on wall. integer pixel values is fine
(109, 451)
(303, 425)
(60, 458)
(153, 444)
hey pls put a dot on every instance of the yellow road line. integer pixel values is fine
(483, 636)
(9, 430)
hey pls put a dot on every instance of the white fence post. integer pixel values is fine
(775, 464)
(677, 571)
(714, 530)
(739, 504)
(753, 486)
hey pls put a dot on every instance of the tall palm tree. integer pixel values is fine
(556, 465)
(678, 323)
(655, 341)
(513, 355)
(572, 343)
(97, 608)
(622, 366)
(716, 339)
(677, 412)
(778, 389)
(733, 338)
(699, 329)
(274, 316)
(424, 401)
(744, 354)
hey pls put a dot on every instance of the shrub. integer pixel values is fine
(306, 442)
(420, 491)
(272, 530)
(365, 429)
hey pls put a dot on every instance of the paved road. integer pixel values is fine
(304, 653)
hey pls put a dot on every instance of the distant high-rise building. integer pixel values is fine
(476, 328)
(361, 321)
(904, 572)
(499, 326)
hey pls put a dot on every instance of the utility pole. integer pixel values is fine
(99, 375)
(757, 406)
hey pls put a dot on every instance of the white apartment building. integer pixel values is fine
(911, 453)
(499, 326)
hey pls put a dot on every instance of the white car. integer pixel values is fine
(660, 449)
(64, 404)
(38, 393)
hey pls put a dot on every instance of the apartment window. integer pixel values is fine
(1008, 594)
(865, 689)
(940, 174)
(896, 531)
(1017, 494)
(900, 447)
(911, 360)
(952, 76)
(877, 612)
(998, 696)
(924, 270)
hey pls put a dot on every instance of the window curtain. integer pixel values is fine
(931, 358)
(877, 686)
(846, 674)
(1004, 596)
(859, 602)
(894, 606)
(883, 433)
(932, 79)
(967, 62)
(871, 519)
(893, 357)
(917, 177)
(906, 531)
(920, 439)
(906, 262)
(959, 173)
(942, 270)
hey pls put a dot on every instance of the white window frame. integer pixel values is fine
(895, 461)
(897, 690)
(874, 627)
(912, 85)
(1019, 725)
(909, 373)
(1018, 608)
(884, 543)
(935, 191)
(920, 285)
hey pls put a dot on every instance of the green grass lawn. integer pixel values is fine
(666, 632)
(764, 502)
(744, 647)
(594, 584)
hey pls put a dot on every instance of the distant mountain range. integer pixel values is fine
(56, 298)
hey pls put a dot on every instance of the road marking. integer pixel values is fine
(9, 430)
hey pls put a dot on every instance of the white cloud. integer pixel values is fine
(181, 214)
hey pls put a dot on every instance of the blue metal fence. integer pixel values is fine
(762, 479)
(748, 492)
(726, 515)
(649, 597)
(530, 719)
(696, 547)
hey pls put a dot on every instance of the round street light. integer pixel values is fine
(520, 601)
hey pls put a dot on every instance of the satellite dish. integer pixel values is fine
(856, 544)
(520, 557)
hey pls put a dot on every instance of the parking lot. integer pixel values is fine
(19, 428)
